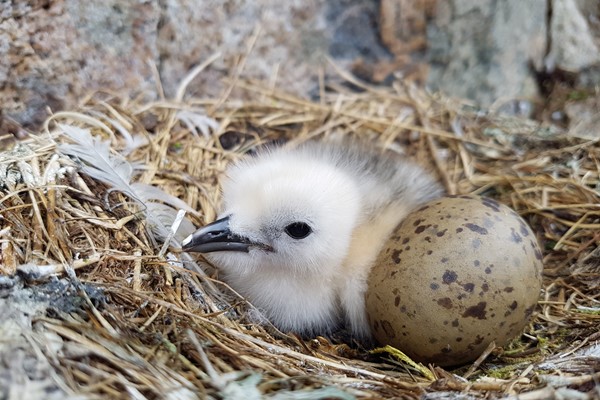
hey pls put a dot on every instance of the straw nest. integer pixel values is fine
(94, 305)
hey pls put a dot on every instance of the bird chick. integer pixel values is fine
(301, 228)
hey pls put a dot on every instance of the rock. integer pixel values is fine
(53, 52)
(28, 346)
(484, 50)
(56, 52)
(584, 118)
(354, 30)
(574, 45)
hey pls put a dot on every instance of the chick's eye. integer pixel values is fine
(298, 230)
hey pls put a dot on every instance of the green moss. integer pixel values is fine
(176, 147)
(588, 311)
(505, 372)
(578, 95)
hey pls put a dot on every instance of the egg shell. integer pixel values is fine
(455, 275)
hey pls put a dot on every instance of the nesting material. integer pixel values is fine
(129, 320)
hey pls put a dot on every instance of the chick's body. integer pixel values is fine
(301, 228)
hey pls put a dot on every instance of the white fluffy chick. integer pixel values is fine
(301, 228)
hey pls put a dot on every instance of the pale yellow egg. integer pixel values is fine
(456, 274)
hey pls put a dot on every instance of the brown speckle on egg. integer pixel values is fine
(477, 311)
(515, 237)
(476, 228)
(524, 229)
(388, 329)
(493, 204)
(467, 279)
(446, 302)
(469, 287)
(449, 277)
(396, 256)
(420, 229)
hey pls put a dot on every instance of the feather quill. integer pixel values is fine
(132, 142)
(99, 163)
(197, 122)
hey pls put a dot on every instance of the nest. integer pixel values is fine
(100, 302)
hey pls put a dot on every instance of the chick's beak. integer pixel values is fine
(216, 236)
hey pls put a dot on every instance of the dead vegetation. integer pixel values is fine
(126, 317)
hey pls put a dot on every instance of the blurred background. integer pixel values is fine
(538, 58)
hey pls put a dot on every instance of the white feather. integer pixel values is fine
(98, 162)
(197, 122)
(351, 197)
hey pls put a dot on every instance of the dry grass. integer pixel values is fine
(130, 321)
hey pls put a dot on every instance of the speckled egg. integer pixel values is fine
(456, 274)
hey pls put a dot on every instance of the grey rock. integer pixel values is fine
(484, 50)
(584, 118)
(55, 52)
(354, 30)
(26, 347)
(574, 45)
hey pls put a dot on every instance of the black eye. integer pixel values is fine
(298, 230)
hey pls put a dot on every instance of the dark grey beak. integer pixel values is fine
(217, 236)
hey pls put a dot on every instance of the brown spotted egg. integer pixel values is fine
(456, 274)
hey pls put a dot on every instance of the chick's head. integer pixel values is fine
(295, 214)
